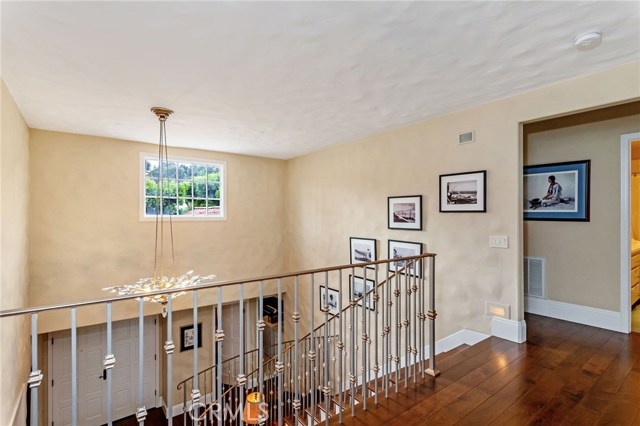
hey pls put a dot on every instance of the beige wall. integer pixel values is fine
(342, 191)
(183, 361)
(582, 258)
(14, 178)
(86, 233)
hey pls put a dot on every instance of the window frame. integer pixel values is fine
(200, 161)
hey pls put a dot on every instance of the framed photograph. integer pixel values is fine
(398, 249)
(558, 191)
(187, 337)
(363, 250)
(464, 192)
(405, 212)
(332, 302)
(358, 287)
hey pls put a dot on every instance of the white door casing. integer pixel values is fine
(625, 230)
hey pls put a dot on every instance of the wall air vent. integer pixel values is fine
(466, 137)
(534, 277)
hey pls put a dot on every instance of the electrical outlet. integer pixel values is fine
(499, 241)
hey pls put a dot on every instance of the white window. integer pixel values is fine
(191, 189)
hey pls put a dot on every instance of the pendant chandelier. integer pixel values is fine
(164, 276)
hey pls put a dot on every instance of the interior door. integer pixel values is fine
(125, 372)
(231, 343)
(92, 389)
(60, 386)
(92, 402)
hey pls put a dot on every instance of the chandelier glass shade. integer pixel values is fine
(162, 280)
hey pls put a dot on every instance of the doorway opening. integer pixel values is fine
(630, 231)
(586, 280)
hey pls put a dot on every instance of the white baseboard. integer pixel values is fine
(452, 341)
(178, 409)
(513, 330)
(163, 404)
(462, 337)
(596, 317)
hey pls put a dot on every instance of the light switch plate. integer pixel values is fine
(499, 241)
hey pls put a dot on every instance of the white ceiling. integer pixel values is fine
(281, 79)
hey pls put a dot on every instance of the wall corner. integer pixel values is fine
(513, 330)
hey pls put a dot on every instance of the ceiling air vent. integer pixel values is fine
(466, 137)
(534, 280)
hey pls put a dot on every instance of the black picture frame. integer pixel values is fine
(543, 201)
(463, 192)
(186, 337)
(398, 248)
(334, 297)
(363, 250)
(404, 212)
(355, 282)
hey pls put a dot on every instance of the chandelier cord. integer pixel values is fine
(163, 172)
(163, 161)
(158, 206)
(173, 253)
(180, 284)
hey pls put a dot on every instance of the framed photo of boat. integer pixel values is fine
(405, 212)
(363, 250)
(464, 192)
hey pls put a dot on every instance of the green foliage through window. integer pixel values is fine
(186, 189)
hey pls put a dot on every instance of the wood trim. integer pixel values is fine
(592, 116)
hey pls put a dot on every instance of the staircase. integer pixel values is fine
(375, 336)
(373, 346)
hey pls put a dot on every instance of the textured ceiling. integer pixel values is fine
(281, 79)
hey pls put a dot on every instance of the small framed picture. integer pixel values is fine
(398, 249)
(363, 250)
(464, 192)
(405, 212)
(187, 337)
(558, 191)
(358, 287)
(329, 298)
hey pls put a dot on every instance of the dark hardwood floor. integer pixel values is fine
(565, 374)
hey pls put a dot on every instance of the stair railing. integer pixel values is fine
(356, 322)
(385, 357)
(229, 365)
(397, 335)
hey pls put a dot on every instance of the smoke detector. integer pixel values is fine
(587, 41)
